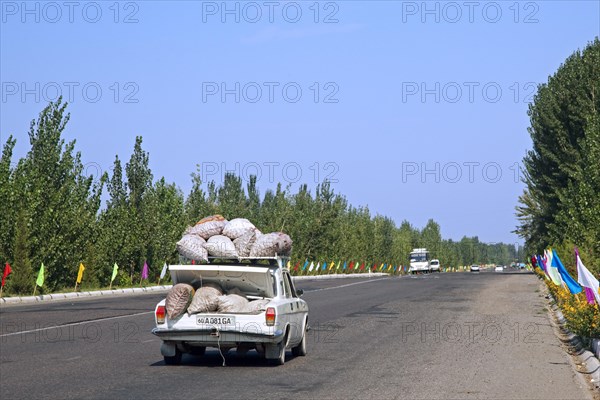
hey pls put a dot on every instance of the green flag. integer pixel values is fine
(115, 270)
(40, 278)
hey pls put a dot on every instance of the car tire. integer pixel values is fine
(173, 360)
(300, 349)
(281, 359)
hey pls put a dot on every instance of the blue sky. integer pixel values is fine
(418, 110)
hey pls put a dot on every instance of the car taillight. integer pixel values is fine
(270, 316)
(160, 314)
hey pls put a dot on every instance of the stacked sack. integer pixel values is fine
(216, 237)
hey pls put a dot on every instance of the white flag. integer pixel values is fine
(164, 271)
(586, 279)
(552, 271)
(312, 266)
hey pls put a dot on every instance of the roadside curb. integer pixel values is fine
(74, 295)
(139, 290)
(338, 276)
(588, 362)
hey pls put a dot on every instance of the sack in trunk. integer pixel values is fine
(232, 303)
(206, 299)
(178, 299)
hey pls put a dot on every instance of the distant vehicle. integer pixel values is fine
(475, 268)
(498, 268)
(419, 261)
(434, 266)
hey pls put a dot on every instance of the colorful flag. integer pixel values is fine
(345, 266)
(305, 265)
(331, 266)
(324, 266)
(318, 266)
(587, 280)
(551, 269)
(80, 273)
(40, 277)
(312, 266)
(297, 266)
(114, 273)
(164, 271)
(362, 266)
(6, 272)
(571, 283)
(145, 271)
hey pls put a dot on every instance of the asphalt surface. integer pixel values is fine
(442, 336)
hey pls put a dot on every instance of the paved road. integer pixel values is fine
(443, 336)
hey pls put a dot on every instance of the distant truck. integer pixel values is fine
(279, 325)
(419, 261)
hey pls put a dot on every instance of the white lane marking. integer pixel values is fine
(73, 358)
(346, 285)
(148, 341)
(75, 324)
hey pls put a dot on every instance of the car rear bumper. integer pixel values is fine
(215, 337)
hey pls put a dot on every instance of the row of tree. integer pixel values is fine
(560, 205)
(52, 213)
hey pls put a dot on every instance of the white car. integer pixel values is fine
(280, 324)
(434, 266)
(498, 268)
(475, 268)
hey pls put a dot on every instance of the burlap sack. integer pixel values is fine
(232, 303)
(192, 247)
(244, 243)
(237, 227)
(256, 305)
(206, 299)
(178, 299)
(209, 226)
(270, 244)
(216, 217)
(221, 246)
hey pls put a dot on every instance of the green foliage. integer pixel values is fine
(53, 214)
(562, 173)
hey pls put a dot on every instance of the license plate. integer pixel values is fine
(217, 320)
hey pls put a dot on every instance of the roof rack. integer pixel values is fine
(278, 260)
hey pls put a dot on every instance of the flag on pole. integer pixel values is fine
(362, 266)
(114, 273)
(40, 277)
(80, 273)
(585, 278)
(5, 273)
(312, 266)
(305, 265)
(571, 283)
(331, 266)
(145, 271)
(551, 269)
(324, 266)
(345, 265)
(318, 266)
(163, 272)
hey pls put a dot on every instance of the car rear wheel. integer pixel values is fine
(280, 360)
(300, 350)
(173, 360)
